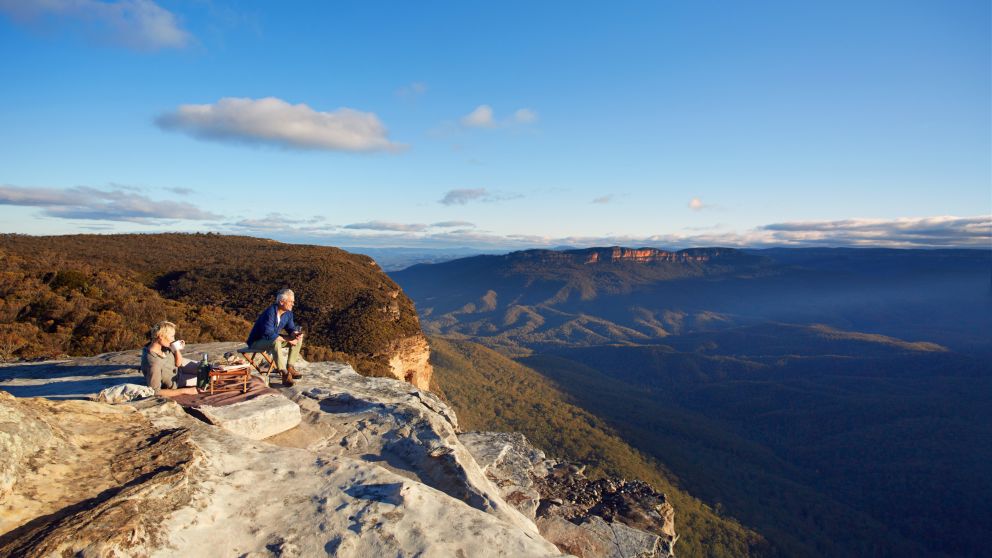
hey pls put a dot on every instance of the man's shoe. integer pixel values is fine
(287, 378)
(293, 372)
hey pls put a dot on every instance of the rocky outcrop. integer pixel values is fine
(587, 518)
(375, 467)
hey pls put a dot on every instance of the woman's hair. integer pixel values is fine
(158, 328)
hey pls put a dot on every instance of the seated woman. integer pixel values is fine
(161, 360)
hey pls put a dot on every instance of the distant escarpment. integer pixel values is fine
(617, 254)
(88, 294)
(556, 276)
(570, 296)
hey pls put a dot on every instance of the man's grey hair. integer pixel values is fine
(284, 294)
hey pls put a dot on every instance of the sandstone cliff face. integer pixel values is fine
(376, 468)
(409, 360)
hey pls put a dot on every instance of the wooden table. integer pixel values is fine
(227, 378)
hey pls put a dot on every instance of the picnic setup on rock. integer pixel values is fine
(274, 333)
(232, 389)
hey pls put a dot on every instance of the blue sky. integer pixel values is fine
(503, 125)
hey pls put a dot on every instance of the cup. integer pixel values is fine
(178, 345)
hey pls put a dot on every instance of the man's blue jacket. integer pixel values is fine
(268, 328)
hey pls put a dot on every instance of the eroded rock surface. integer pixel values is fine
(85, 476)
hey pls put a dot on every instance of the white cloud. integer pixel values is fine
(696, 204)
(481, 117)
(275, 122)
(87, 203)
(525, 116)
(138, 24)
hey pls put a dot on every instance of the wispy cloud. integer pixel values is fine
(907, 232)
(484, 117)
(931, 232)
(603, 199)
(273, 121)
(412, 90)
(387, 226)
(463, 196)
(83, 202)
(137, 24)
(525, 116)
(453, 224)
(697, 204)
(181, 191)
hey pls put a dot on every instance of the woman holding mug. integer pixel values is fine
(161, 360)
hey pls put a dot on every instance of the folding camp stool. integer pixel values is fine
(249, 355)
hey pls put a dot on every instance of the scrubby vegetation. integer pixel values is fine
(85, 294)
(47, 312)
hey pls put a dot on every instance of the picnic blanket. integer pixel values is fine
(256, 388)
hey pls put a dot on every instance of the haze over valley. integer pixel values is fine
(804, 392)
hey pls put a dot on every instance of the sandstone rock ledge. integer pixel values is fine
(375, 468)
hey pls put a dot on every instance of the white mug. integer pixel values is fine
(178, 345)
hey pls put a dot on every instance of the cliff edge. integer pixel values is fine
(376, 467)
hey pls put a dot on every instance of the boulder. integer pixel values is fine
(257, 419)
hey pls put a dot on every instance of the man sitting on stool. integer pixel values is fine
(266, 335)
